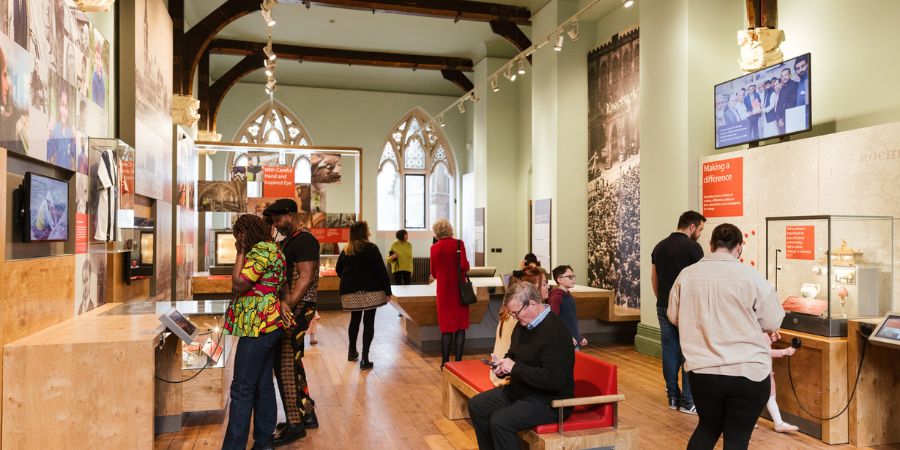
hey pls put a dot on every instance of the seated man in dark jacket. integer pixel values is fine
(540, 364)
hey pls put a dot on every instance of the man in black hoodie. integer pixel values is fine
(540, 364)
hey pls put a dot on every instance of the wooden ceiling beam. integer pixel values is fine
(511, 32)
(456, 10)
(456, 77)
(220, 88)
(340, 56)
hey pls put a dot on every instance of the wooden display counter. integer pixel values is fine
(875, 409)
(90, 381)
(219, 286)
(819, 370)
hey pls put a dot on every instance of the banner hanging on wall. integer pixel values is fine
(614, 168)
(723, 188)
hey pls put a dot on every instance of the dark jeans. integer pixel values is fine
(368, 319)
(672, 359)
(252, 392)
(402, 277)
(728, 405)
(497, 418)
(289, 370)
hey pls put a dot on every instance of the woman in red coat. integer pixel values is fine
(453, 316)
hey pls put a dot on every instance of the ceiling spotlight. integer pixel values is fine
(509, 74)
(270, 54)
(559, 42)
(267, 17)
(270, 67)
(461, 106)
(271, 84)
(494, 86)
(628, 3)
(522, 66)
(441, 121)
(573, 30)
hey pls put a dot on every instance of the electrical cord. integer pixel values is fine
(862, 360)
(205, 366)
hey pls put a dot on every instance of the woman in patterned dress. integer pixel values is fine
(258, 319)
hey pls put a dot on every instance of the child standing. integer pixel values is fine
(780, 425)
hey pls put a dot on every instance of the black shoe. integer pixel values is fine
(311, 422)
(353, 356)
(290, 434)
(365, 364)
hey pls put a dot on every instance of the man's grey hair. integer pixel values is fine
(523, 292)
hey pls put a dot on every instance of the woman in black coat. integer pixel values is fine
(365, 286)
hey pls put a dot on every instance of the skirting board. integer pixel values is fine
(647, 340)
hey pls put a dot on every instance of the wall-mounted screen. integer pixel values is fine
(765, 104)
(225, 251)
(46, 208)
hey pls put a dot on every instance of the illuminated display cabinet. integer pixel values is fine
(830, 268)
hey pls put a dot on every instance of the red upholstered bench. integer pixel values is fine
(593, 423)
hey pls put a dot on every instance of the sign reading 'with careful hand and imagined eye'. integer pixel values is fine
(278, 182)
(800, 242)
(723, 188)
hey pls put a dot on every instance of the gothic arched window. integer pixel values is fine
(272, 123)
(416, 175)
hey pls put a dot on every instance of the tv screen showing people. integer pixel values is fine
(48, 208)
(765, 104)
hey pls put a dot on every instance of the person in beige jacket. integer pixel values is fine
(720, 307)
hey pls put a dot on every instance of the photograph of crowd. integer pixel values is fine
(614, 168)
(771, 102)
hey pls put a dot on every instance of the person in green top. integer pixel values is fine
(401, 259)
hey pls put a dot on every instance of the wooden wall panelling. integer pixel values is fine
(3, 314)
(35, 294)
(119, 290)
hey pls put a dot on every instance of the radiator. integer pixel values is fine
(421, 270)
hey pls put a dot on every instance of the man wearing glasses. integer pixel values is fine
(540, 365)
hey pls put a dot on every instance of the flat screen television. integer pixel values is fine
(772, 102)
(46, 208)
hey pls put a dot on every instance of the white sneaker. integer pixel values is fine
(688, 408)
(785, 427)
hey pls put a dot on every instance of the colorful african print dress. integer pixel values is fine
(258, 311)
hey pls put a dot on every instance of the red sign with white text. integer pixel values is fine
(278, 182)
(334, 235)
(723, 188)
(81, 233)
(800, 242)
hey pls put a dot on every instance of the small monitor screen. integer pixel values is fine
(180, 325)
(768, 103)
(146, 249)
(48, 208)
(225, 251)
(890, 329)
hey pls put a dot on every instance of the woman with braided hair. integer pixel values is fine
(257, 318)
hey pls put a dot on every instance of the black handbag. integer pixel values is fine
(466, 291)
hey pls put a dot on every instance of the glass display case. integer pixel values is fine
(827, 269)
(111, 203)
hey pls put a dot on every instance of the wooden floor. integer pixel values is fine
(397, 404)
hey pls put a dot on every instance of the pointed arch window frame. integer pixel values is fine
(432, 139)
(273, 116)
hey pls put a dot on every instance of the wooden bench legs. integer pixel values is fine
(623, 438)
(455, 395)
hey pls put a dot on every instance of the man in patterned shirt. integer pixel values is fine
(301, 254)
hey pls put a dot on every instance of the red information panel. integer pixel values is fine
(800, 242)
(334, 235)
(723, 188)
(81, 233)
(278, 182)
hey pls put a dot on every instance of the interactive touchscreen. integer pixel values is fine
(180, 325)
(888, 331)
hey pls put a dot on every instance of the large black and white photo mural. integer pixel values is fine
(614, 167)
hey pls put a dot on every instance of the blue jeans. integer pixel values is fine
(252, 392)
(672, 359)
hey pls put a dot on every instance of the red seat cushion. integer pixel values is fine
(473, 372)
(593, 377)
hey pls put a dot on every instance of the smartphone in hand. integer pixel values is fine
(489, 362)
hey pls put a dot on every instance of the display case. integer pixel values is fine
(111, 201)
(827, 269)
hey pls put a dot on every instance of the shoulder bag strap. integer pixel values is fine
(459, 274)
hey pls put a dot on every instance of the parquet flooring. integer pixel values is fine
(397, 404)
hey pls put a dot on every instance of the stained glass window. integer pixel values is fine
(416, 179)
